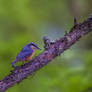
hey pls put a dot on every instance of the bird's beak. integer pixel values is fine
(38, 48)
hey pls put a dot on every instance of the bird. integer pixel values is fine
(26, 53)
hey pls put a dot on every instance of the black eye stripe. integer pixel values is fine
(34, 45)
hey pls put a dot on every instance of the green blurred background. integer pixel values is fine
(23, 21)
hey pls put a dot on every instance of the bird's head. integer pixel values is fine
(33, 46)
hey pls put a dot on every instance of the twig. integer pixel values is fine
(52, 49)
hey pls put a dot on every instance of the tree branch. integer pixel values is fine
(52, 49)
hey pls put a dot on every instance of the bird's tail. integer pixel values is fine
(13, 63)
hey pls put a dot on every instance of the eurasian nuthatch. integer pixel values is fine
(26, 53)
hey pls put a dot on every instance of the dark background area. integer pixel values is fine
(25, 21)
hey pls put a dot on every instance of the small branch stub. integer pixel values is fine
(75, 21)
(46, 42)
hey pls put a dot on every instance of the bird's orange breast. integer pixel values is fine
(30, 57)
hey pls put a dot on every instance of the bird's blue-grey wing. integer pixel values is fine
(25, 52)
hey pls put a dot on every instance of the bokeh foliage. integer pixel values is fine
(23, 21)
